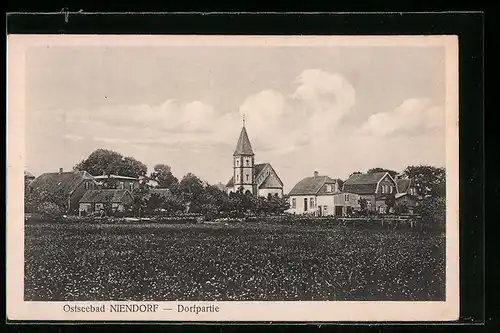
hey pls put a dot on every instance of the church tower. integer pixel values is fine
(243, 163)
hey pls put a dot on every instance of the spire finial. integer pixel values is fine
(243, 120)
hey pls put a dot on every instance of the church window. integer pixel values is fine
(237, 178)
(247, 177)
(237, 162)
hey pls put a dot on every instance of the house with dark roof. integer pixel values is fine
(70, 185)
(248, 177)
(322, 196)
(374, 187)
(407, 193)
(96, 200)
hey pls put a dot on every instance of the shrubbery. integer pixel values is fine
(433, 211)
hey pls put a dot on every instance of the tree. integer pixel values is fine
(163, 175)
(104, 161)
(391, 172)
(432, 210)
(43, 194)
(140, 198)
(390, 201)
(172, 204)
(49, 210)
(429, 180)
(363, 204)
(191, 186)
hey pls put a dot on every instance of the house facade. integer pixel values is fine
(408, 194)
(322, 196)
(118, 182)
(373, 187)
(96, 200)
(71, 186)
(248, 177)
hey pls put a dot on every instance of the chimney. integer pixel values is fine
(60, 170)
(315, 173)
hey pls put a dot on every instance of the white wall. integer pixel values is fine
(263, 192)
(299, 208)
(326, 201)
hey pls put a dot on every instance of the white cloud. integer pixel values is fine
(413, 116)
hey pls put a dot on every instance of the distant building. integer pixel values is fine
(71, 185)
(322, 196)
(148, 182)
(374, 187)
(118, 182)
(96, 200)
(257, 179)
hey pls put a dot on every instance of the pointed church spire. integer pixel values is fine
(243, 147)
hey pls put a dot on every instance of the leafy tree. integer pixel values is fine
(432, 210)
(429, 180)
(172, 204)
(104, 161)
(163, 175)
(191, 186)
(391, 172)
(390, 201)
(49, 210)
(401, 208)
(363, 204)
(43, 194)
(140, 198)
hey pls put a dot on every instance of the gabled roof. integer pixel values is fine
(365, 183)
(310, 185)
(66, 182)
(108, 195)
(403, 184)
(243, 147)
(259, 168)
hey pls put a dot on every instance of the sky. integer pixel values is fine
(331, 109)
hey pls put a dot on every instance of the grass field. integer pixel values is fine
(91, 262)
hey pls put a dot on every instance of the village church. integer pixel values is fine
(248, 177)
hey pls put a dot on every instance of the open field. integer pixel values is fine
(253, 261)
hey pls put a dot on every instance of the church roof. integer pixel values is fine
(243, 147)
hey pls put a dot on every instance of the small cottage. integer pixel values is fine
(322, 196)
(373, 187)
(96, 200)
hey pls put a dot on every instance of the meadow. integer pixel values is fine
(235, 261)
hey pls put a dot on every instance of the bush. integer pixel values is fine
(49, 211)
(433, 211)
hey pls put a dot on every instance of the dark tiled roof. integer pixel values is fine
(403, 185)
(365, 183)
(109, 195)
(243, 147)
(258, 168)
(310, 185)
(66, 182)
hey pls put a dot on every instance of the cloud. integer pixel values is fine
(73, 137)
(413, 116)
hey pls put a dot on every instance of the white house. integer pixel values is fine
(322, 196)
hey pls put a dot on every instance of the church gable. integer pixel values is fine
(271, 181)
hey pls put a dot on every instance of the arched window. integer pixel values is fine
(247, 177)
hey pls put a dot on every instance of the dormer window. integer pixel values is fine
(328, 188)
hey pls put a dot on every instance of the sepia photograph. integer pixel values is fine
(172, 177)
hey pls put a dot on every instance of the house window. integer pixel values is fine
(122, 185)
(294, 202)
(325, 209)
(114, 206)
(390, 187)
(328, 187)
(347, 197)
(311, 202)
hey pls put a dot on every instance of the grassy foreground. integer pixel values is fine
(255, 261)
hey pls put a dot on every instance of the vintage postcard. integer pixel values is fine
(232, 178)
